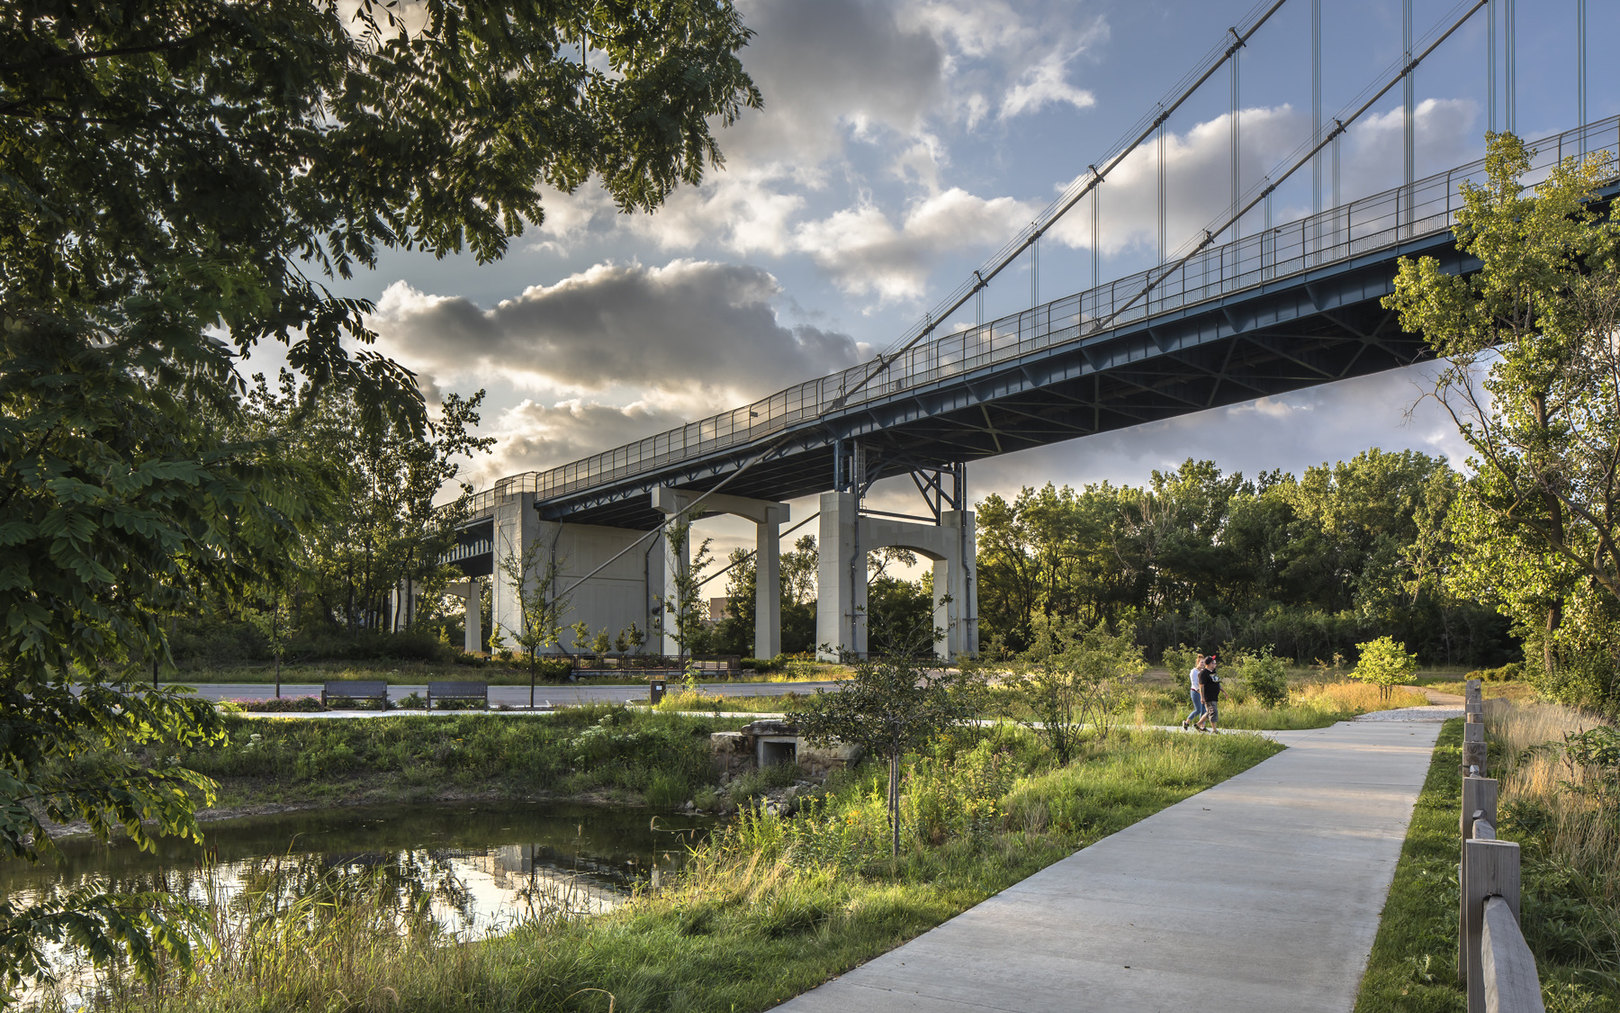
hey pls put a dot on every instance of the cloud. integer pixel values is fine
(1328, 423)
(1045, 83)
(690, 325)
(534, 436)
(865, 253)
(1198, 188)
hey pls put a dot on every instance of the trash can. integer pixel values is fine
(657, 690)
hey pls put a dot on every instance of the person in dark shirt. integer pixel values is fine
(1209, 686)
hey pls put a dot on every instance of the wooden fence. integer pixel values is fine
(1492, 958)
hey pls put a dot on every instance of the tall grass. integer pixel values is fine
(1309, 705)
(600, 749)
(1562, 803)
(769, 908)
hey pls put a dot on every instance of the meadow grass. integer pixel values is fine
(592, 751)
(768, 908)
(1413, 964)
(1563, 807)
(1309, 705)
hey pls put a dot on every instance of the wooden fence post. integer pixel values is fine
(1492, 868)
(1478, 796)
(1512, 984)
(1473, 750)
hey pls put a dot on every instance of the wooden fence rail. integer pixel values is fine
(1492, 958)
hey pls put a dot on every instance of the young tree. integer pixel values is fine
(1533, 383)
(1070, 678)
(890, 707)
(542, 602)
(1385, 664)
(684, 614)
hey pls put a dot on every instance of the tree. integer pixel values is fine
(1069, 680)
(182, 180)
(684, 618)
(1385, 664)
(542, 602)
(889, 707)
(1533, 383)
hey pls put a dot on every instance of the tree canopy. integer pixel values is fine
(183, 181)
(1533, 381)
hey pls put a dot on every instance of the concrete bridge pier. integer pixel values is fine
(768, 518)
(617, 594)
(471, 591)
(841, 606)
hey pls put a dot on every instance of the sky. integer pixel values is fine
(903, 143)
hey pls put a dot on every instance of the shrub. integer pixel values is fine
(1264, 676)
(281, 705)
(1507, 673)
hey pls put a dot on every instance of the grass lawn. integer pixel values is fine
(406, 673)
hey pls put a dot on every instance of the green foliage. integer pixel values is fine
(1071, 679)
(1384, 663)
(103, 753)
(1265, 678)
(1533, 381)
(1304, 566)
(889, 707)
(180, 186)
(1506, 673)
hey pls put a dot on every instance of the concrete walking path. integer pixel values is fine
(1260, 894)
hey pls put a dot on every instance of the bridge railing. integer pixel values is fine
(1493, 961)
(1427, 207)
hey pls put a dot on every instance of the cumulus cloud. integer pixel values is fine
(1197, 180)
(534, 436)
(866, 253)
(687, 325)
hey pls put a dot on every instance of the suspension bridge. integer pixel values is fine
(1225, 318)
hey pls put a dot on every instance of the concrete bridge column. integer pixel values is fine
(958, 576)
(846, 538)
(768, 518)
(840, 579)
(471, 592)
(517, 528)
(767, 590)
(677, 563)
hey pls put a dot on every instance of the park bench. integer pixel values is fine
(355, 690)
(726, 667)
(459, 692)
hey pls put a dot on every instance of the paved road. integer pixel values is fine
(518, 696)
(1261, 894)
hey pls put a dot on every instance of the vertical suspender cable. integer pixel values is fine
(1408, 93)
(1510, 29)
(1316, 104)
(1490, 66)
(1096, 250)
(1160, 200)
(1236, 171)
(1580, 69)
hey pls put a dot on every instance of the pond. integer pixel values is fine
(476, 868)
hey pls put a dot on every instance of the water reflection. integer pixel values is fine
(469, 869)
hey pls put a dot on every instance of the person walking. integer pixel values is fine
(1209, 687)
(1197, 694)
